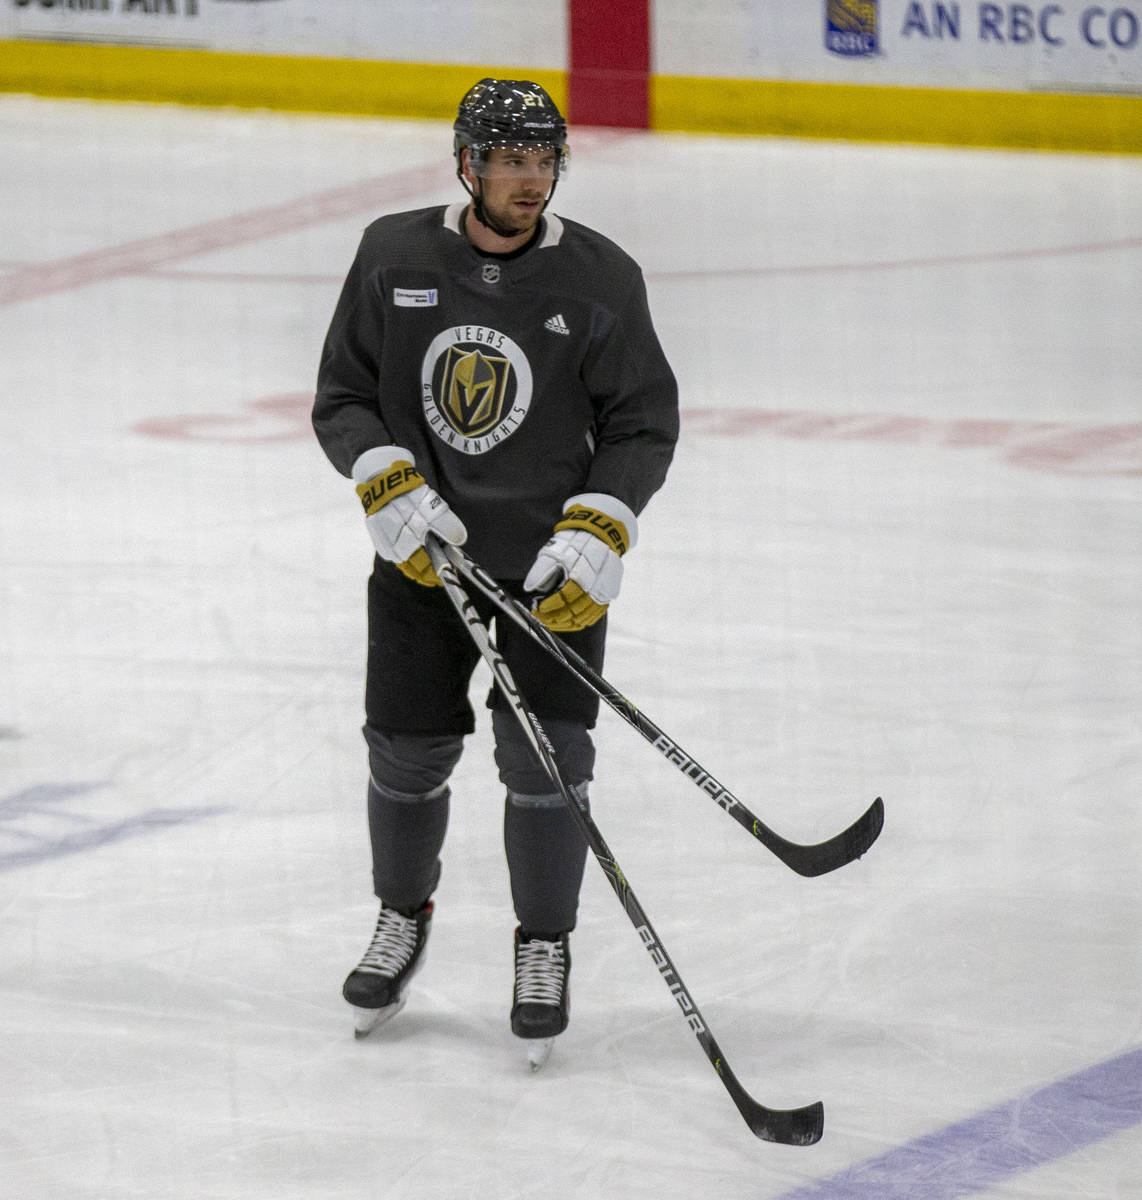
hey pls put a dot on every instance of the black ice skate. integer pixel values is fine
(541, 1003)
(376, 986)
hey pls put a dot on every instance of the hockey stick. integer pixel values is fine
(807, 860)
(793, 1127)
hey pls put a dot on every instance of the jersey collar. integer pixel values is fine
(552, 225)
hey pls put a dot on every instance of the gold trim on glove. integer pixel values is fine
(418, 568)
(569, 609)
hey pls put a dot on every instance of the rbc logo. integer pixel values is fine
(852, 27)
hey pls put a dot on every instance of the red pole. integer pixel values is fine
(610, 63)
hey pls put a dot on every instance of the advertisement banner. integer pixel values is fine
(430, 31)
(1061, 46)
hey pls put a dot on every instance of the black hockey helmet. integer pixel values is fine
(507, 112)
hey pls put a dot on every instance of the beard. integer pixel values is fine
(508, 221)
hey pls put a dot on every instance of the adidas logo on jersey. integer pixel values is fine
(557, 325)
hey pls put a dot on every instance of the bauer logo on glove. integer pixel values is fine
(378, 491)
(612, 532)
(579, 570)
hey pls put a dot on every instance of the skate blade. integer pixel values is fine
(538, 1052)
(365, 1020)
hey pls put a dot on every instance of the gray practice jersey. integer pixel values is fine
(516, 381)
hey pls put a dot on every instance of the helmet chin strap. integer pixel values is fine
(482, 215)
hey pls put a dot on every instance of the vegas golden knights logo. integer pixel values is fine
(475, 387)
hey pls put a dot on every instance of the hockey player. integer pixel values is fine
(491, 376)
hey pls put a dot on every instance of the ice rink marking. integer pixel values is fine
(980, 1152)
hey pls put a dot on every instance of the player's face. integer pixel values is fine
(515, 182)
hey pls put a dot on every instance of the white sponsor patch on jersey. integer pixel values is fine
(415, 297)
(557, 325)
(476, 387)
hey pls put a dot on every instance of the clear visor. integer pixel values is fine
(519, 162)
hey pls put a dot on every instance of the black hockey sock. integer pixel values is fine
(407, 834)
(546, 854)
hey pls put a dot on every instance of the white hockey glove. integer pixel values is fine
(401, 510)
(579, 570)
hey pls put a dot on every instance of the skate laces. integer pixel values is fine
(539, 972)
(393, 944)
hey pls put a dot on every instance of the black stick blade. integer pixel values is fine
(787, 1126)
(827, 856)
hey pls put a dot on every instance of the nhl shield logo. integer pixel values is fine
(852, 27)
(475, 388)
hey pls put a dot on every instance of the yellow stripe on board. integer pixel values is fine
(1039, 120)
(943, 116)
(299, 84)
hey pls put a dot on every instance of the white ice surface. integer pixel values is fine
(899, 553)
